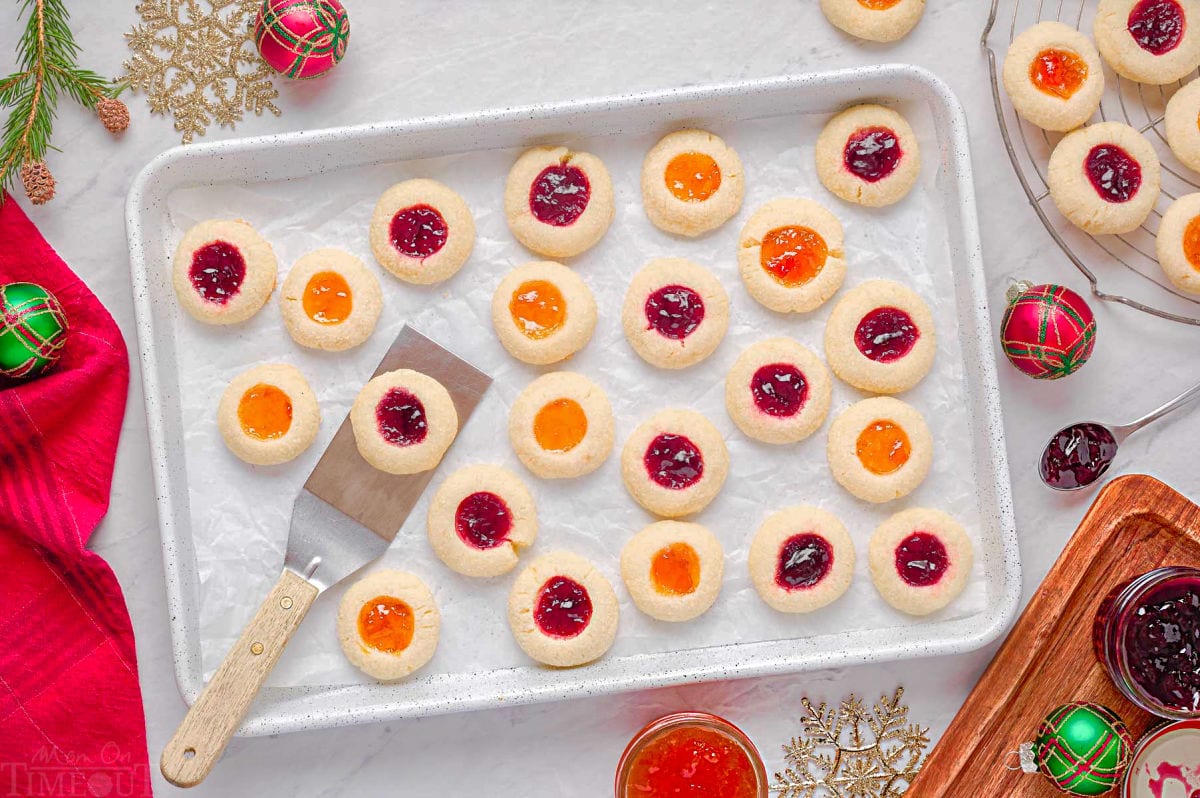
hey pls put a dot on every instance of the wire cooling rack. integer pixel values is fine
(1125, 264)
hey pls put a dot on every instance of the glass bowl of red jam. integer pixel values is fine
(1147, 634)
(689, 755)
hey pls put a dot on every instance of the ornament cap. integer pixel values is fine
(1028, 759)
(1016, 289)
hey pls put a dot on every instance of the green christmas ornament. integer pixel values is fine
(1082, 748)
(33, 330)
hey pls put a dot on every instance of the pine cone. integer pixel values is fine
(39, 183)
(113, 113)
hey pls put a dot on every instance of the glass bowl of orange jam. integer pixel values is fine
(691, 754)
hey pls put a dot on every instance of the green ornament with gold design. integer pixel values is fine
(1083, 748)
(33, 330)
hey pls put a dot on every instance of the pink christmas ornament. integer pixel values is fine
(302, 38)
(1048, 331)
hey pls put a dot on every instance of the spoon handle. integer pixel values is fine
(1154, 415)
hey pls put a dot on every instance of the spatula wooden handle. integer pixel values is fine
(205, 731)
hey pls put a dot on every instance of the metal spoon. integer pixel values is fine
(1078, 455)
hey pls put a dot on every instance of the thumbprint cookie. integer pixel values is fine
(558, 203)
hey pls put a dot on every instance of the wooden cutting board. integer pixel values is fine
(1136, 524)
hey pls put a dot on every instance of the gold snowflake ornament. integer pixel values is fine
(853, 751)
(196, 61)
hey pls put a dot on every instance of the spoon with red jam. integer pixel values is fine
(1078, 455)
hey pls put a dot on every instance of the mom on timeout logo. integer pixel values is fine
(54, 773)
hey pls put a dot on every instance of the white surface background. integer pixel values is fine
(430, 56)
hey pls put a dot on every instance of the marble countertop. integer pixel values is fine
(429, 56)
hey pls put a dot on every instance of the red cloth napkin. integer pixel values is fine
(71, 719)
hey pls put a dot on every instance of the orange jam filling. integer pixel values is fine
(386, 623)
(675, 570)
(692, 176)
(327, 298)
(878, 5)
(883, 447)
(793, 255)
(1191, 243)
(1057, 72)
(265, 412)
(560, 425)
(538, 308)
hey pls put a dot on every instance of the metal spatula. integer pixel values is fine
(345, 516)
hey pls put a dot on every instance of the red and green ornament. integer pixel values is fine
(1082, 748)
(1048, 331)
(33, 330)
(302, 38)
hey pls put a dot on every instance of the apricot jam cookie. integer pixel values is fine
(790, 255)
(562, 611)
(1104, 178)
(675, 313)
(874, 20)
(561, 426)
(268, 414)
(1149, 41)
(801, 559)
(330, 301)
(920, 560)
(403, 422)
(558, 203)
(388, 624)
(692, 182)
(674, 463)
(422, 231)
(480, 520)
(1178, 244)
(880, 449)
(543, 312)
(868, 155)
(673, 570)
(1183, 125)
(1053, 76)
(778, 391)
(880, 337)
(224, 271)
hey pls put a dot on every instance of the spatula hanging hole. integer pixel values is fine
(189, 753)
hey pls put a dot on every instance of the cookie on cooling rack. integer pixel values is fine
(1053, 76)
(1149, 41)
(1183, 130)
(874, 20)
(1178, 243)
(1105, 178)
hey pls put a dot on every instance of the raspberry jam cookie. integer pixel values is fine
(778, 391)
(1104, 178)
(692, 182)
(543, 312)
(558, 203)
(1149, 41)
(1183, 125)
(1053, 76)
(403, 422)
(1178, 244)
(874, 20)
(801, 559)
(880, 449)
(675, 313)
(790, 255)
(388, 625)
(673, 570)
(480, 520)
(562, 611)
(674, 463)
(561, 426)
(868, 155)
(880, 337)
(422, 231)
(330, 301)
(268, 415)
(224, 271)
(920, 560)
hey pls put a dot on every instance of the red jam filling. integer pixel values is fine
(1114, 173)
(217, 272)
(921, 559)
(401, 418)
(1162, 644)
(886, 335)
(1077, 455)
(691, 762)
(674, 311)
(483, 520)
(418, 231)
(563, 608)
(804, 560)
(779, 389)
(1157, 25)
(559, 195)
(872, 153)
(673, 462)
